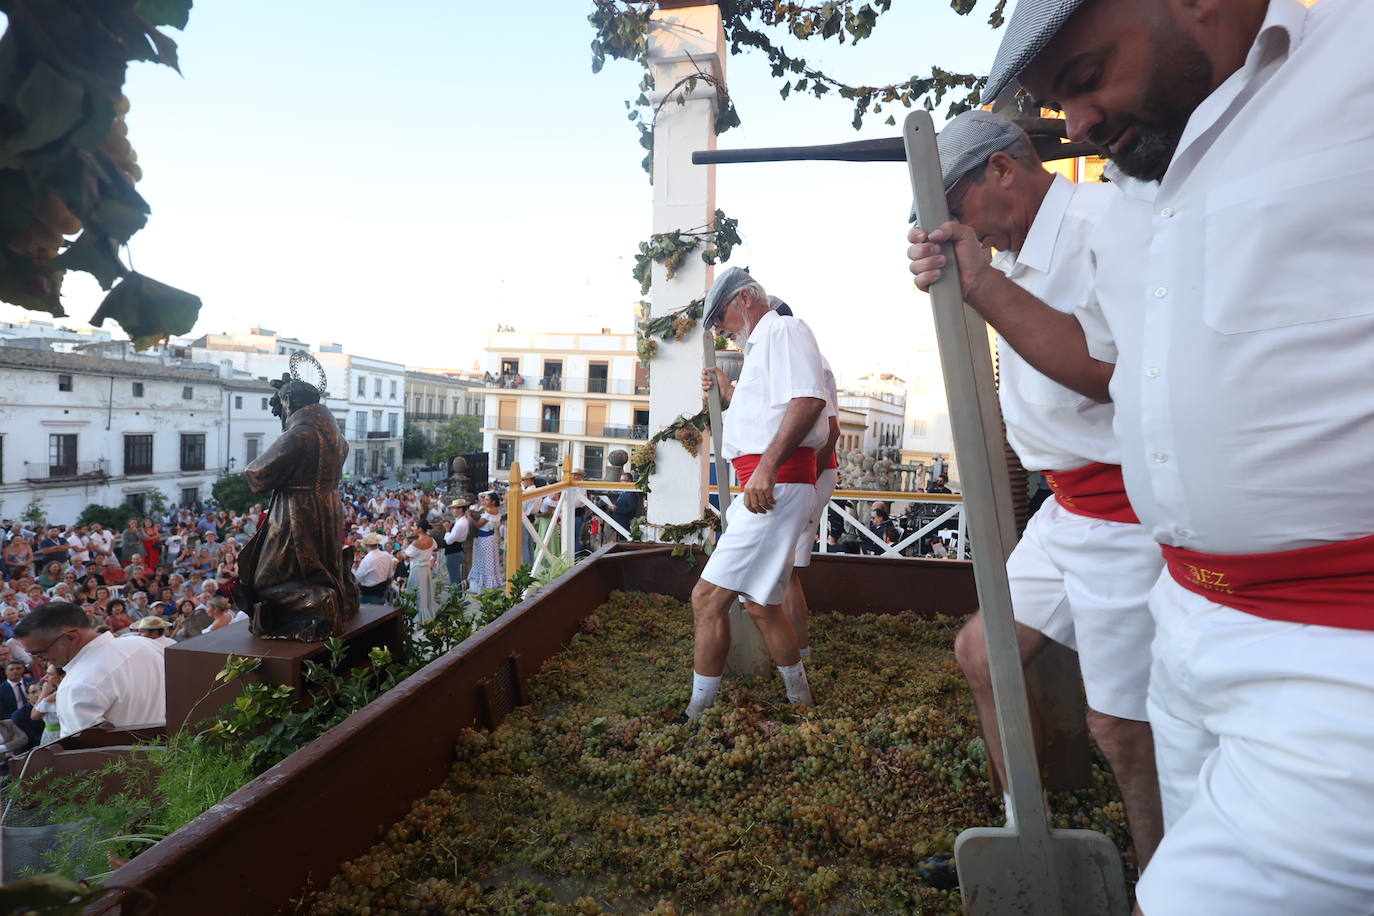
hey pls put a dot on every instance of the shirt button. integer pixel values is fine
(1152, 372)
(1167, 212)
(1183, 532)
(1161, 457)
(1160, 292)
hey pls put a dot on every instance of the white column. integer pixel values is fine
(680, 42)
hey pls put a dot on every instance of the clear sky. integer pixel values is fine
(402, 178)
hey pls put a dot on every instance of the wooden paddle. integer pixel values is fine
(1028, 868)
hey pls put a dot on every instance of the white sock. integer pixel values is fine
(794, 679)
(704, 690)
(806, 653)
(1011, 812)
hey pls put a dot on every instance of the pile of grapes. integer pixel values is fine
(590, 800)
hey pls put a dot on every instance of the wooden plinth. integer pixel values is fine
(193, 695)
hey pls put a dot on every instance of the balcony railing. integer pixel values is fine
(567, 384)
(42, 470)
(431, 416)
(565, 427)
(382, 434)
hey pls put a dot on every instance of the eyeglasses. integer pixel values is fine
(718, 320)
(48, 648)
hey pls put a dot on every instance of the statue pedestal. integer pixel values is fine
(193, 694)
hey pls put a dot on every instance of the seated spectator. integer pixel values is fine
(13, 687)
(13, 739)
(221, 615)
(34, 597)
(138, 605)
(45, 710)
(155, 629)
(118, 619)
(9, 617)
(135, 568)
(24, 717)
(18, 556)
(119, 681)
(50, 576)
(113, 573)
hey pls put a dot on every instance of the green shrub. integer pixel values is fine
(232, 492)
(112, 517)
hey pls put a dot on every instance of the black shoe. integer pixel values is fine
(938, 872)
(680, 719)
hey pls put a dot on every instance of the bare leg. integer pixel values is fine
(971, 651)
(777, 633)
(1129, 747)
(797, 611)
(711, 617)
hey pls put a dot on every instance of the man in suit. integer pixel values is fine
(14, 689)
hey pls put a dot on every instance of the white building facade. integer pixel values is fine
(553, 394)
(77, 430)
(367, 396)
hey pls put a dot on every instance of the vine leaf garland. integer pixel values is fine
(670, 249)
(685, 430)
(622, 28)
(673, 326)
(66, 165)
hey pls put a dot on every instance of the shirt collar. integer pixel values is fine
(1037, 251)
(88, 650)
(1131, 187)
(758, 328)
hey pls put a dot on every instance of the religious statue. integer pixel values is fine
(295, 580)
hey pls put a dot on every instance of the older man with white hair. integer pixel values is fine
(1234, 317)
(375, 571)
(775, 425)
(1082, 573)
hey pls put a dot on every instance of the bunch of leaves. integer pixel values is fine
(592, 800)
(643, 458)
(686, 535)
(673, 326)
(759, 26)
(720, 236)
(162, 786)
(66, 166)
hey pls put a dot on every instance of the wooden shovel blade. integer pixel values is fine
(1087, 868)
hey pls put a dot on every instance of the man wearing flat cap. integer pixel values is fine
(775, 425)
(1234, 315)
(1082, 573)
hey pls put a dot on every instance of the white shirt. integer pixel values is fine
(781, 362)
(100, 541)
(1051, 427)
(461, 527)
(1245, 320)
(530, 505)
(119, 681)
(376, 567)
(80, 552)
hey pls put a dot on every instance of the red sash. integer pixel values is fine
(1331, 585)
(1096, 491)
(800, 467)
(833, 463)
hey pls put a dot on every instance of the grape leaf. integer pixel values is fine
(50, 104)
(147, 310)
(94, 253)
(165, 12)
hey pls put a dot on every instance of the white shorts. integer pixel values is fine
(1264, 735)
(754, 555)
(1085, 582)
(825, 486)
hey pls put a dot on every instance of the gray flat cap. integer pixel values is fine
(966, 143)
(1033, 24)
(721, 291)
(777, 305)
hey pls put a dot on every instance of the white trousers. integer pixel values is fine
(1264, 735)
(825, 486)
(754, 555)
(1085, 582)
